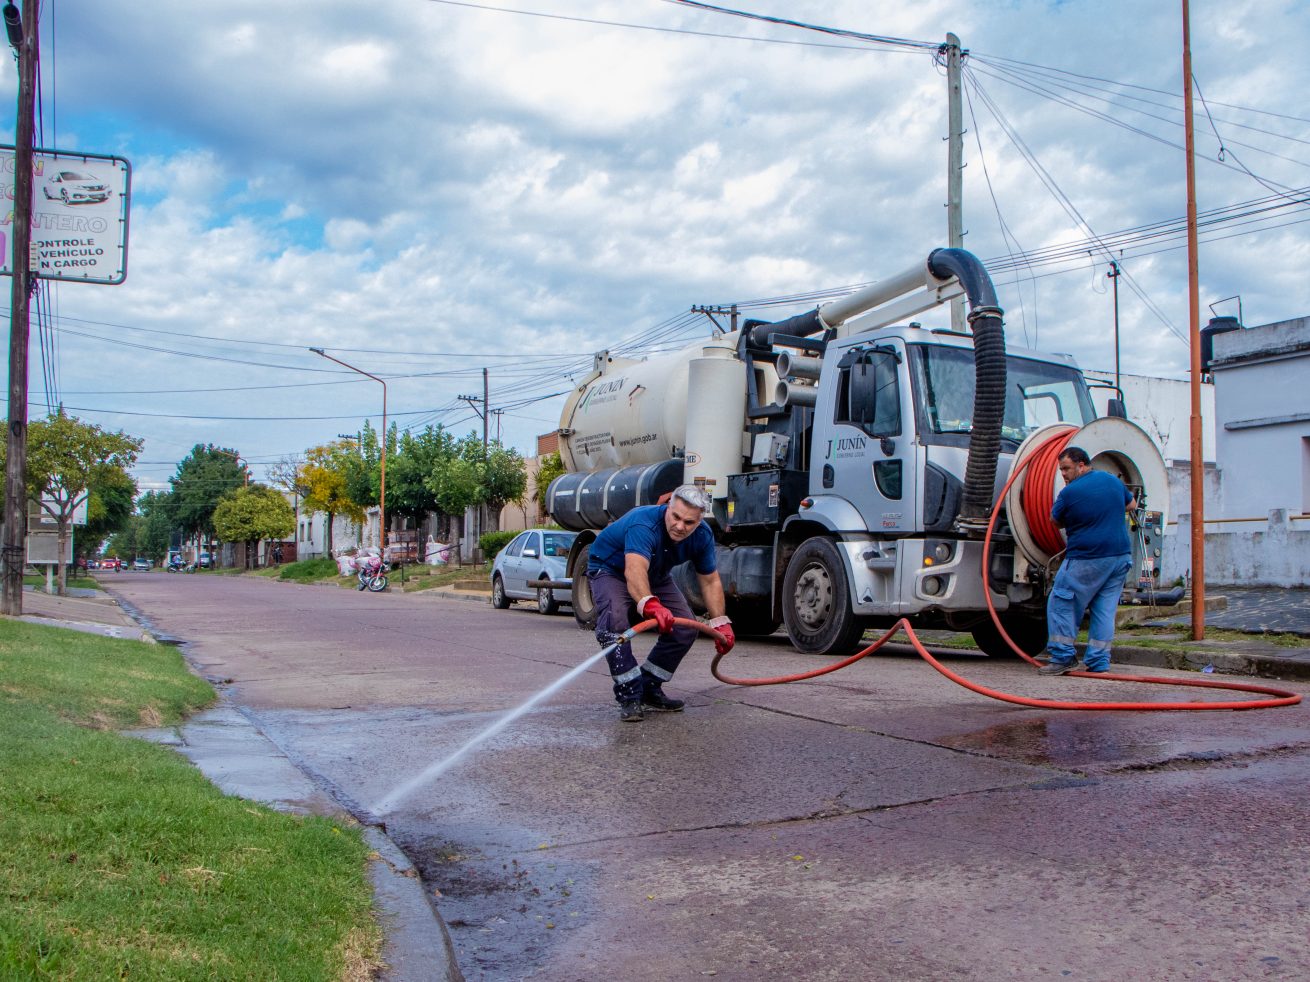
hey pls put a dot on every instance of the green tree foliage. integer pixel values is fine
(418, 456)
(550, 467)
(109, 509)
(66, 460)
(491, 477)
(504, 479)
(157, 524)
(253, 513)
(203, 478)
(325, 475)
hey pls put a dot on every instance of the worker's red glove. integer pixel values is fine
(650, 608)
(724, 627)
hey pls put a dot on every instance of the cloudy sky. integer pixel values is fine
(427, 189)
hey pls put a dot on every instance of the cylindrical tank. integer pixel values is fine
(1217, 325)
(716, 416)
(591, 500)
(636, 411)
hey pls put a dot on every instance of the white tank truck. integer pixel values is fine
(854, 460)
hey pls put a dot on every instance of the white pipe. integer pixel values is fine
(791, 394)
(792, 365)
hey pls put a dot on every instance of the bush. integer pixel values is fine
(492, 542)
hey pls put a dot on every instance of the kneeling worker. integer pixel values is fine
(629, 572)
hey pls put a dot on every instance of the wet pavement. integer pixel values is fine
(877, 823)
(1258, 609)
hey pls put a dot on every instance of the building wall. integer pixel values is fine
(1163, 408)
(1262, 393)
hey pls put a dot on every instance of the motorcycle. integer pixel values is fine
(372, 573)
(181, 567)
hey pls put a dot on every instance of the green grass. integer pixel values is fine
(119, 860)
(308, 570)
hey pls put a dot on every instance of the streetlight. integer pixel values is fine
(382, 498)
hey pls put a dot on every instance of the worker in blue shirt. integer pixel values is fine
(629, 571)
(1091, 510)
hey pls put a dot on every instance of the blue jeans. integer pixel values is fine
(1079, 585)
(616, 611)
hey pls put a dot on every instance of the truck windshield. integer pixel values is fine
(1037, 392)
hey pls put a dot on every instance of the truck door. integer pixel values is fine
(868, 460)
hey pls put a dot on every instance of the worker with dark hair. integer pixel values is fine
(1096, 560)
(629, 572)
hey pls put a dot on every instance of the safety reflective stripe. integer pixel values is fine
(1096, 645)
(630, 676)
(1062, 640)
(658, 672)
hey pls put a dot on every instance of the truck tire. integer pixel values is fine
(1029, 633)
(752, 618)
(584, 608)
(816, 601)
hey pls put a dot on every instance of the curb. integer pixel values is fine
(1292, 669)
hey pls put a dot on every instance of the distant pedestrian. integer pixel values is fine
(277, 554)
(1091, 509)
(629, 573)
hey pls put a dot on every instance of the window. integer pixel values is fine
(515, 548)
(1036, 392)
(869, 392)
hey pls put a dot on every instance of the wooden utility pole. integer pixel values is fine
(1194, 335)
(15, 515)
(954, 166)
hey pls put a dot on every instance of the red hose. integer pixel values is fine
(1043, 460)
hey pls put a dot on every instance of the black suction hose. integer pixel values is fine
(989, 380)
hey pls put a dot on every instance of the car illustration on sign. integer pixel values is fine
(76, 188)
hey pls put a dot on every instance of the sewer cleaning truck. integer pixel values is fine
(859, 464)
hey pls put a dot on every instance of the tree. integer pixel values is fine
(504, 480)
(550, 467)
(253, 513)
(324, 475)
(417, 457)
(65, 457)
(109, 509)
(203, 477)
(456, 485)
(158, 521)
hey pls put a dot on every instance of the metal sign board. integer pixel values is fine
(79, 216)
(43, 549)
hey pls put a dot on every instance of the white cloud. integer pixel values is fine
(421, 177)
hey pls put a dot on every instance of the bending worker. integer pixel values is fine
(1091, 510)
(629, 572)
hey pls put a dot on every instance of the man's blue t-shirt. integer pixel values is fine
(1091, 508)
(642, 531)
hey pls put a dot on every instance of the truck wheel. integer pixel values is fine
(584, 608)
(816, 601)
(546, 602)
(498, 598)
(752, 618)
(1029, 633)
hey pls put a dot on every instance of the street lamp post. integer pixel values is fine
(382, 497)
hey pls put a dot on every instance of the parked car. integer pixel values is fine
(537, 554)
(206, 560)
(141, 564)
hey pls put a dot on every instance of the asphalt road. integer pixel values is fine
(879, 823)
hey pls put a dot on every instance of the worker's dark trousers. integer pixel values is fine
(616, 611)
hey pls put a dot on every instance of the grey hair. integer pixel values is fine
(698, 498)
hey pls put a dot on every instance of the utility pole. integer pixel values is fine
(1194, 309)
(485, 413)
(23, 35)
(1114, 278)
(954, 164)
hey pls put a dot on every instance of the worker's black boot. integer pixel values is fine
(654, 699)
(631, 712)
